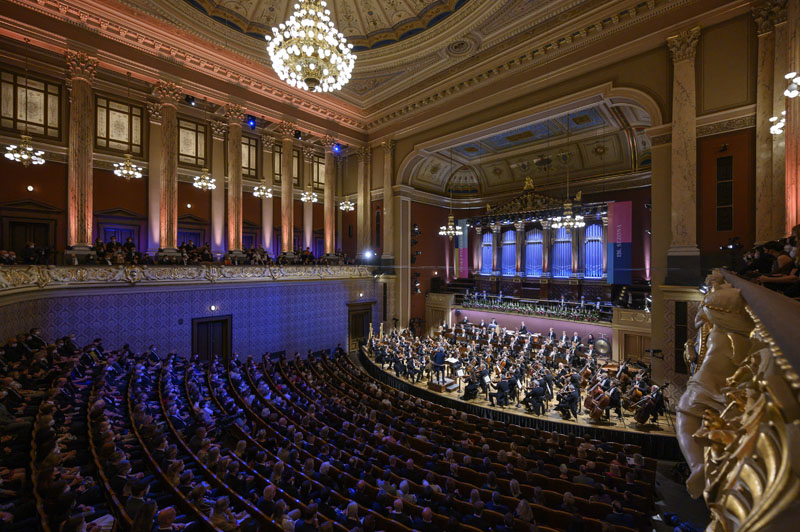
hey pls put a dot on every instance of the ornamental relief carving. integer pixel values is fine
(80, 65)
(14, 278)
(683, 46)
(167, 92)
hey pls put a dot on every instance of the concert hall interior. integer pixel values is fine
(395, 265)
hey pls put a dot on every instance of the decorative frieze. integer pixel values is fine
(683, 46)
(733, 124)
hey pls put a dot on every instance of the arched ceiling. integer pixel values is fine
(595, 145)
(367, 24)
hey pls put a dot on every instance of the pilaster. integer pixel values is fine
(387, 258)
(364, 229)
(234, 115)
(329, 199)
(218, 131)
(168, 94)
(286, 131)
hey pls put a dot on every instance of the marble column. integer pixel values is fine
(792, 131)
(547, 242)
(267, 143)
(684, 255)
(286, 131)
(168, 96)
(497, 245)
(364, 227)
(80, 69)
(154, 179)
(308, 207)
(387, 258)
(520, 248)
(340, 177)
(218, 130)
(780, 68)
(765, 23)
(235, 116)
(329, 197)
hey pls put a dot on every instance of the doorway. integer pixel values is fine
(359, 318)
(211, 336)
(20, 232)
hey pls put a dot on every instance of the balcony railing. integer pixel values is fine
(15, 279)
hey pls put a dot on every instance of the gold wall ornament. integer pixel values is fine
(739, 419)
(528, 183)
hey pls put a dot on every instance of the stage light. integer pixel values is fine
(368, 254)
(435, 273)
(251, 121)
(190, 100)
(298, 134)
(213, 308)
(188, 205)
(30, 188)
(337, 148)
(361, 294)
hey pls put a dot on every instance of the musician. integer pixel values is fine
(503, 388)
(551, 335)
(493, 324)
(563, 337)
(523, 329)
(590, 339)
(658, 399)
(483, 324)
(605, 381)
(568, 404)
(413, 369)
(576, 340)
(472, 387)
(615, 395)
(534, 398)
(438, 364)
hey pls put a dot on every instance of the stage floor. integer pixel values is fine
(664, 427)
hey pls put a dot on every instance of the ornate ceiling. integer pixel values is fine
(596, 145)
(367, 24)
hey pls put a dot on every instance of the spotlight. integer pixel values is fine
(213, 308)
(435, 273)
(298, 134)
(30, 188)
(251, 121)
(337, 148)
(190, 100)
(188, 205)
(361, 294)
(368, 254)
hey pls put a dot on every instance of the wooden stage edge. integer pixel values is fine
(657, 441)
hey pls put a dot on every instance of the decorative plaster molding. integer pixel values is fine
(769, 13)
(154, 112)
(388, 146)
(683, 46)
(218, 129)
(24, 278)
(733, 124)
(234, 113)
(286, 130)
(308, 153)
(364, 153)
(168, 93)
(661, 139)
(328, 143)
(80, 66)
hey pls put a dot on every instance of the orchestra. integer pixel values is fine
(529, 370)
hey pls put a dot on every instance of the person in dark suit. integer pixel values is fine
(615, 394)
(476, 518)
(425, 523)
(502, 393)
(438, 364)
(496, 504)
(534, 398)
(619, 517)
(576, 339)
(523, 329)
(569, 403)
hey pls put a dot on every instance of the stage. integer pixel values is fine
(656, 440)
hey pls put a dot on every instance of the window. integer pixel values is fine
(42, 99)
(562, 254)
(725, 193)
(681, 334)
(509, 253)
(119, 126)
(318, 172)
(192, 143)
(249, 157)
(534, 242)
(486, 253)
(594, 251)
(276, 164)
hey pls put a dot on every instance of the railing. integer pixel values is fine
(739, 418)
(14, 279)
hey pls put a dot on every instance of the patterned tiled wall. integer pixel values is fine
(293, 316)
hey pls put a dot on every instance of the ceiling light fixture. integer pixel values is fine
(567, 219)
(204, 181)
(24, 152)
(451, 229)
(309, 196)
(262, 191)
(308, 52)
(347, 206)
(127, 169)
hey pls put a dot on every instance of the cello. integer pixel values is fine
(596, 402)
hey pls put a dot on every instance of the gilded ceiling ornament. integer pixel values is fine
(80, 65)
(684, 45)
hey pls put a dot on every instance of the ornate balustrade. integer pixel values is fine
(739, 418)
(14, 279)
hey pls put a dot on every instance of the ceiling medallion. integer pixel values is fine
(308, 52)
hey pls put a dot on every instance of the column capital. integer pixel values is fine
(286, 130)
(519, 226)
(308, 153)
(234, 113)
(328, 143)
(154, 112)
(683, 46)
(479, 229)
(388, 146)
(364, 153)
(495, 228)
(218, 129)
(168, 93)
(605, 221)
(768, 13)
(80, 65)
(267, 141)
(545, 224)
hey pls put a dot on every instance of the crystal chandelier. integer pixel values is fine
(262, 191)
(127, 169)
(451, 229)
(347, 206)
(308, 52)
(777, 124)
(309, 196)
(567, 220)
(204, 181)
(793, 90)
(24, 152)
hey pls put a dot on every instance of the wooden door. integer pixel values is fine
(211, 336)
